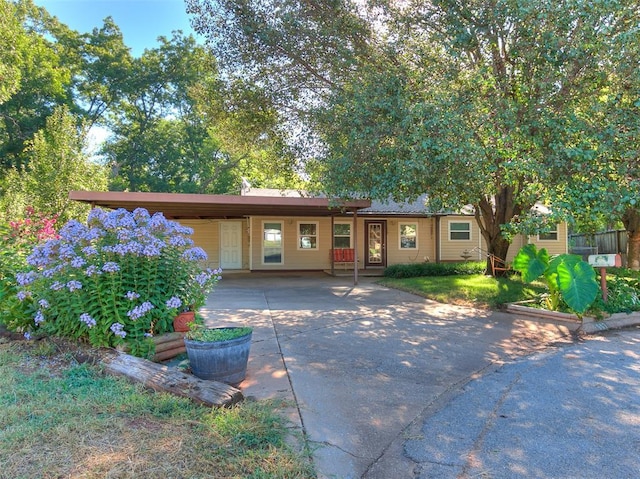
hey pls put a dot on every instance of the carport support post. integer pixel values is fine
(332, 256)
(355, 244)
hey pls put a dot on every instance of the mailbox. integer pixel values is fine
(605, 260)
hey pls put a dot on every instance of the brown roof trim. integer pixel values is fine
(187, 205)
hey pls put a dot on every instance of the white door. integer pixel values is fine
(230, 245)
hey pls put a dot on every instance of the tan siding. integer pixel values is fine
(425, 241)
(559, 246)
(451, 250)
(205, 235)
(554, 247)
(293, 258)
(518, 242)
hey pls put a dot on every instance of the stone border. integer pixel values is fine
(588, 325)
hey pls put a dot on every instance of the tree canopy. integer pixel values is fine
(478, 103)
(173, 125)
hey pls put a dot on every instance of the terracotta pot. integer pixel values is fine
(181, 322)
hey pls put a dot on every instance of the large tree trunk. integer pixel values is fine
(631, 222)
(490, 214)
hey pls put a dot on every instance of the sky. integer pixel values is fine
(141, 21)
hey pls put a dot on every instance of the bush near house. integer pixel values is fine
(415, 270)
(119, 279)
(623, 286)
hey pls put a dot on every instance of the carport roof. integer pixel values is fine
(186, 205)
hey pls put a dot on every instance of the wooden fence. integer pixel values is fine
(607, 242)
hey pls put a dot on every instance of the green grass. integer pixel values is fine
(475, 289)
(63, 419)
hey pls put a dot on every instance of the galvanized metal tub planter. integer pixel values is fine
(223, 360)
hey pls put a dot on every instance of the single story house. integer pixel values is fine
(266, 230)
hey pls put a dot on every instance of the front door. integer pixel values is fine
(231, 245)
(375, 247)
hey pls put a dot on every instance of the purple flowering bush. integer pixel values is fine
(119, 279)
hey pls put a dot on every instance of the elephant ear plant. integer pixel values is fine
(569, 279)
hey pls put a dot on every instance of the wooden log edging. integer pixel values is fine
(165, 379)
(167, 346)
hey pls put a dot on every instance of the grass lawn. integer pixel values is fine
(64, 419)
(473, 290)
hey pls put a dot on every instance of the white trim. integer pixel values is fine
(415, 224)
(281, 223)
(249, 234)
(317, 235)
(449, 222)
(556, 231)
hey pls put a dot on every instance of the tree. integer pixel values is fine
(297, 52)
(12, 42)
(475, 103)
(609, 185)
(102, 69)
(159, 141)
(57, 165)
(44, 82)
(177, 128)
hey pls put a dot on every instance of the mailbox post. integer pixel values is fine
(604, 261)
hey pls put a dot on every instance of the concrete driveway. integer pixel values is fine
(363, 367)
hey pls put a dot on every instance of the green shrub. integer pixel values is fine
(120, 278)
(415, 270)
(17, 240)
(623, 294)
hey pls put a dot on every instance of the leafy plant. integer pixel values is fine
(197, 333)
(17, 240)
(623, 293)
(121, 278)
(568, 277)
(434, 269)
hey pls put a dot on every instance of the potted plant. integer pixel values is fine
(219, 354)
(183, 320)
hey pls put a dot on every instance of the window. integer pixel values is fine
(342, 235)
(549, 235)
(272, 243)
(308, 236)
(408, 236)
(460, 230)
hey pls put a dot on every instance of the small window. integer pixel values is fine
(460, 231)
(549, 235)
(342, 235)
(308, 236)
(408, 236)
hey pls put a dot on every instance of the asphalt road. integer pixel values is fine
(571, 412)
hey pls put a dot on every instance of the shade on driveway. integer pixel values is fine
(361, 363)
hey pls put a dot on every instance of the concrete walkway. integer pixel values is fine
(364, 368)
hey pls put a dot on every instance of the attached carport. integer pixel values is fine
(200, 206)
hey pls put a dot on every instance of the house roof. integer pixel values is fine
(378, 208)
(186, 206)
(390, 207)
